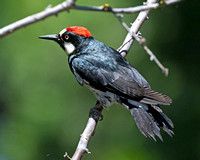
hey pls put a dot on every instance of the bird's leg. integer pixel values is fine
(95, 112)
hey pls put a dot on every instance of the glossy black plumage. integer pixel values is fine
(105, 69)
(112, 79)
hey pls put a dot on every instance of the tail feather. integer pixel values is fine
(168, 125)
(162, 120)
(145, 123)
(149, 118)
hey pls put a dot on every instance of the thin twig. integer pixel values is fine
(69, 4)
(67, 156)
(150, 53)
(141, 42)
(153, 58)
(125, 10)
(142, 16)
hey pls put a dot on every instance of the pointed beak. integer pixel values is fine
(54, 37)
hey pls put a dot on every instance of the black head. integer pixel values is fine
(69, 38)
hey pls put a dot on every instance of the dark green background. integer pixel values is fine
(43, 110)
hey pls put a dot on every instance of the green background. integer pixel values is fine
(43, 110)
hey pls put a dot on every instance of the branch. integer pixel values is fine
(150, 53)
(142, 16)
(153, 58)
(64, 6)
(67, 5)
(125, 10)
(83, 142)
(141, 41)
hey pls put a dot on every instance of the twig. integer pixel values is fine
(150, 53)
(153, 58)
(125, 10)
(67, 5)
(67, 156)
(85, 137)
(142, 16)
(141, 41)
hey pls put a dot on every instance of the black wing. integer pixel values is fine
(113, 73)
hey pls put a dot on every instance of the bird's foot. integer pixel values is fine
(96, 114)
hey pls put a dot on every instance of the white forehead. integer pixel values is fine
(61, 32)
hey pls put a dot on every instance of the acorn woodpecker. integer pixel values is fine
(113, 80)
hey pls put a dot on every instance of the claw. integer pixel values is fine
(96, 114)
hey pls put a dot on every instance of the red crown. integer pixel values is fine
(79, 30)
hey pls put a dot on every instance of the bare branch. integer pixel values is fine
(66, 5)
(125, 10)
(141, 41)
(150, 53)
(85, 137)
(69, 4)
(153, 58)
(142, 16)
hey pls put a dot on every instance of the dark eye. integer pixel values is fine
(66, 37)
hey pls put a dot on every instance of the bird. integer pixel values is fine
(113, 79)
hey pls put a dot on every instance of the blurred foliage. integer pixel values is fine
(43, 110)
